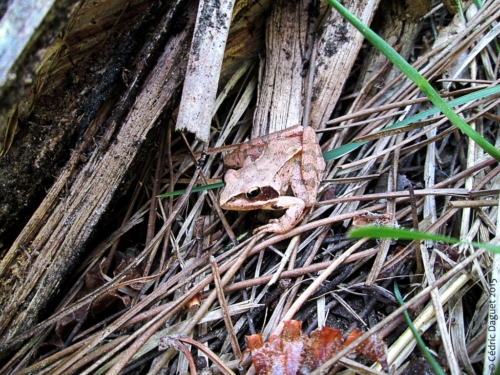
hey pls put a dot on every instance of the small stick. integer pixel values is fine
(224, 309)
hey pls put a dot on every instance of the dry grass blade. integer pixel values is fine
(224, 369)
(224, 309)
(205, 60)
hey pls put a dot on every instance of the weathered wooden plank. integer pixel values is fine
(205, 60)
(288, 47)
(338, 47)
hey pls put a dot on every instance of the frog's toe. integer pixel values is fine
(273, 227)
(262, 229)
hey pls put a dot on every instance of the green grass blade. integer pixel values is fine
(342, 150)
(480, 94)
(413, 74)
(405, 234)
(194, 190)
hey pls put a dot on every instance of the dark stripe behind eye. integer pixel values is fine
(269, 193)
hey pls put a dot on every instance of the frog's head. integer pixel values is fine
(243, 192)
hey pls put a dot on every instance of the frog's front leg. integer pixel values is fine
(293, 214)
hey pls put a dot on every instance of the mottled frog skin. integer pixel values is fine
(269, 167)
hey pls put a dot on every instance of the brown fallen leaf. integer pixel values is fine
(294, 353)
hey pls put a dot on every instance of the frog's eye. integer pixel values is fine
(253, 192)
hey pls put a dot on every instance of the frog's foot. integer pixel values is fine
(285, 223)
(274, 226)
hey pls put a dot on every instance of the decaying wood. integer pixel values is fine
(205, 60)
(338, 47)
(49, 122)
(75, 217)
(289, 42)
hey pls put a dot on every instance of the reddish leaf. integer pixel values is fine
(372, 348)
(269, 358)
(292, 330)
(254, 341)
(323, 343)
(293, 346)
(294, 353)
(280, 354)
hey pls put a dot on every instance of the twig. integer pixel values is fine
(225, 312)
(222, 366)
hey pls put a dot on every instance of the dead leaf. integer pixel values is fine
(293, 353)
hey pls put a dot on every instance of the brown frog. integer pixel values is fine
(271, 166)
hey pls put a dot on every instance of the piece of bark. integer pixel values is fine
(288, 47)
(338, 47)
(59, 102)
(62, 238)
(205, 60)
